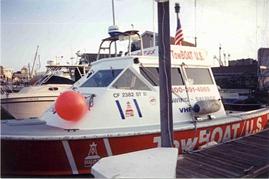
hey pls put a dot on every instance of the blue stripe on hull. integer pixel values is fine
(120, 109)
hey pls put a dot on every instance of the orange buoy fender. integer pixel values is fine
(71, 106)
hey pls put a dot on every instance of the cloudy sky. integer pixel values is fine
(62, 27)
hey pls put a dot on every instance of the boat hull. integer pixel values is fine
(27, 107)
(32, 101)
(70, 157)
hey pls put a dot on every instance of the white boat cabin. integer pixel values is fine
(124, 91)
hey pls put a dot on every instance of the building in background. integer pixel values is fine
(21, 77)
(239, 74)
(6, 73)
(244, 81)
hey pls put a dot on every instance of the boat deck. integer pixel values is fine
(245, 157)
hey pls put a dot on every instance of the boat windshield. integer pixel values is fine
(199, 76)
(102, 78)
(152, 75)
(130, 81)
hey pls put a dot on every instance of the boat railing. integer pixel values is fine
(49, 73)
(127, 35)
(81, 74)
(53, 70)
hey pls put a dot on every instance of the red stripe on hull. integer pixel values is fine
(33, 158)
(49, 157)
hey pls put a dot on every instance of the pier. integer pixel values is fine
(242, 158)
(246, 157)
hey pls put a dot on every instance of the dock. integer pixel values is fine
(241, 158)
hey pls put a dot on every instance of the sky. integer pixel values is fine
(63, 27)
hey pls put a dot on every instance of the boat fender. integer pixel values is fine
(206, 107)
(71, 106)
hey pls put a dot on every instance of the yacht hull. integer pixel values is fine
(32, 101)
(70, 156)
(27, 107)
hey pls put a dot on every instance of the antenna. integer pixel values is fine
(113, 12)
(114, 23)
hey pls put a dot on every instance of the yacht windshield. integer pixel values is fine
(102, 78)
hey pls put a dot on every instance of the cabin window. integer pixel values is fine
(152, 75)
(102, 78)
(199, 76)
(130, 81)
(176, 78)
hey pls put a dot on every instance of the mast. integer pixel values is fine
(165, 74)
(32, 71)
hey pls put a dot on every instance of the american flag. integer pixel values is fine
(179, 33)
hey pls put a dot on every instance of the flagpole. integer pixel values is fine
(179, 33)
(177, 9)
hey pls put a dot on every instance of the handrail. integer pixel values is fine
(120, 36)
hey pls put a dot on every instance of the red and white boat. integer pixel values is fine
(114, 109)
